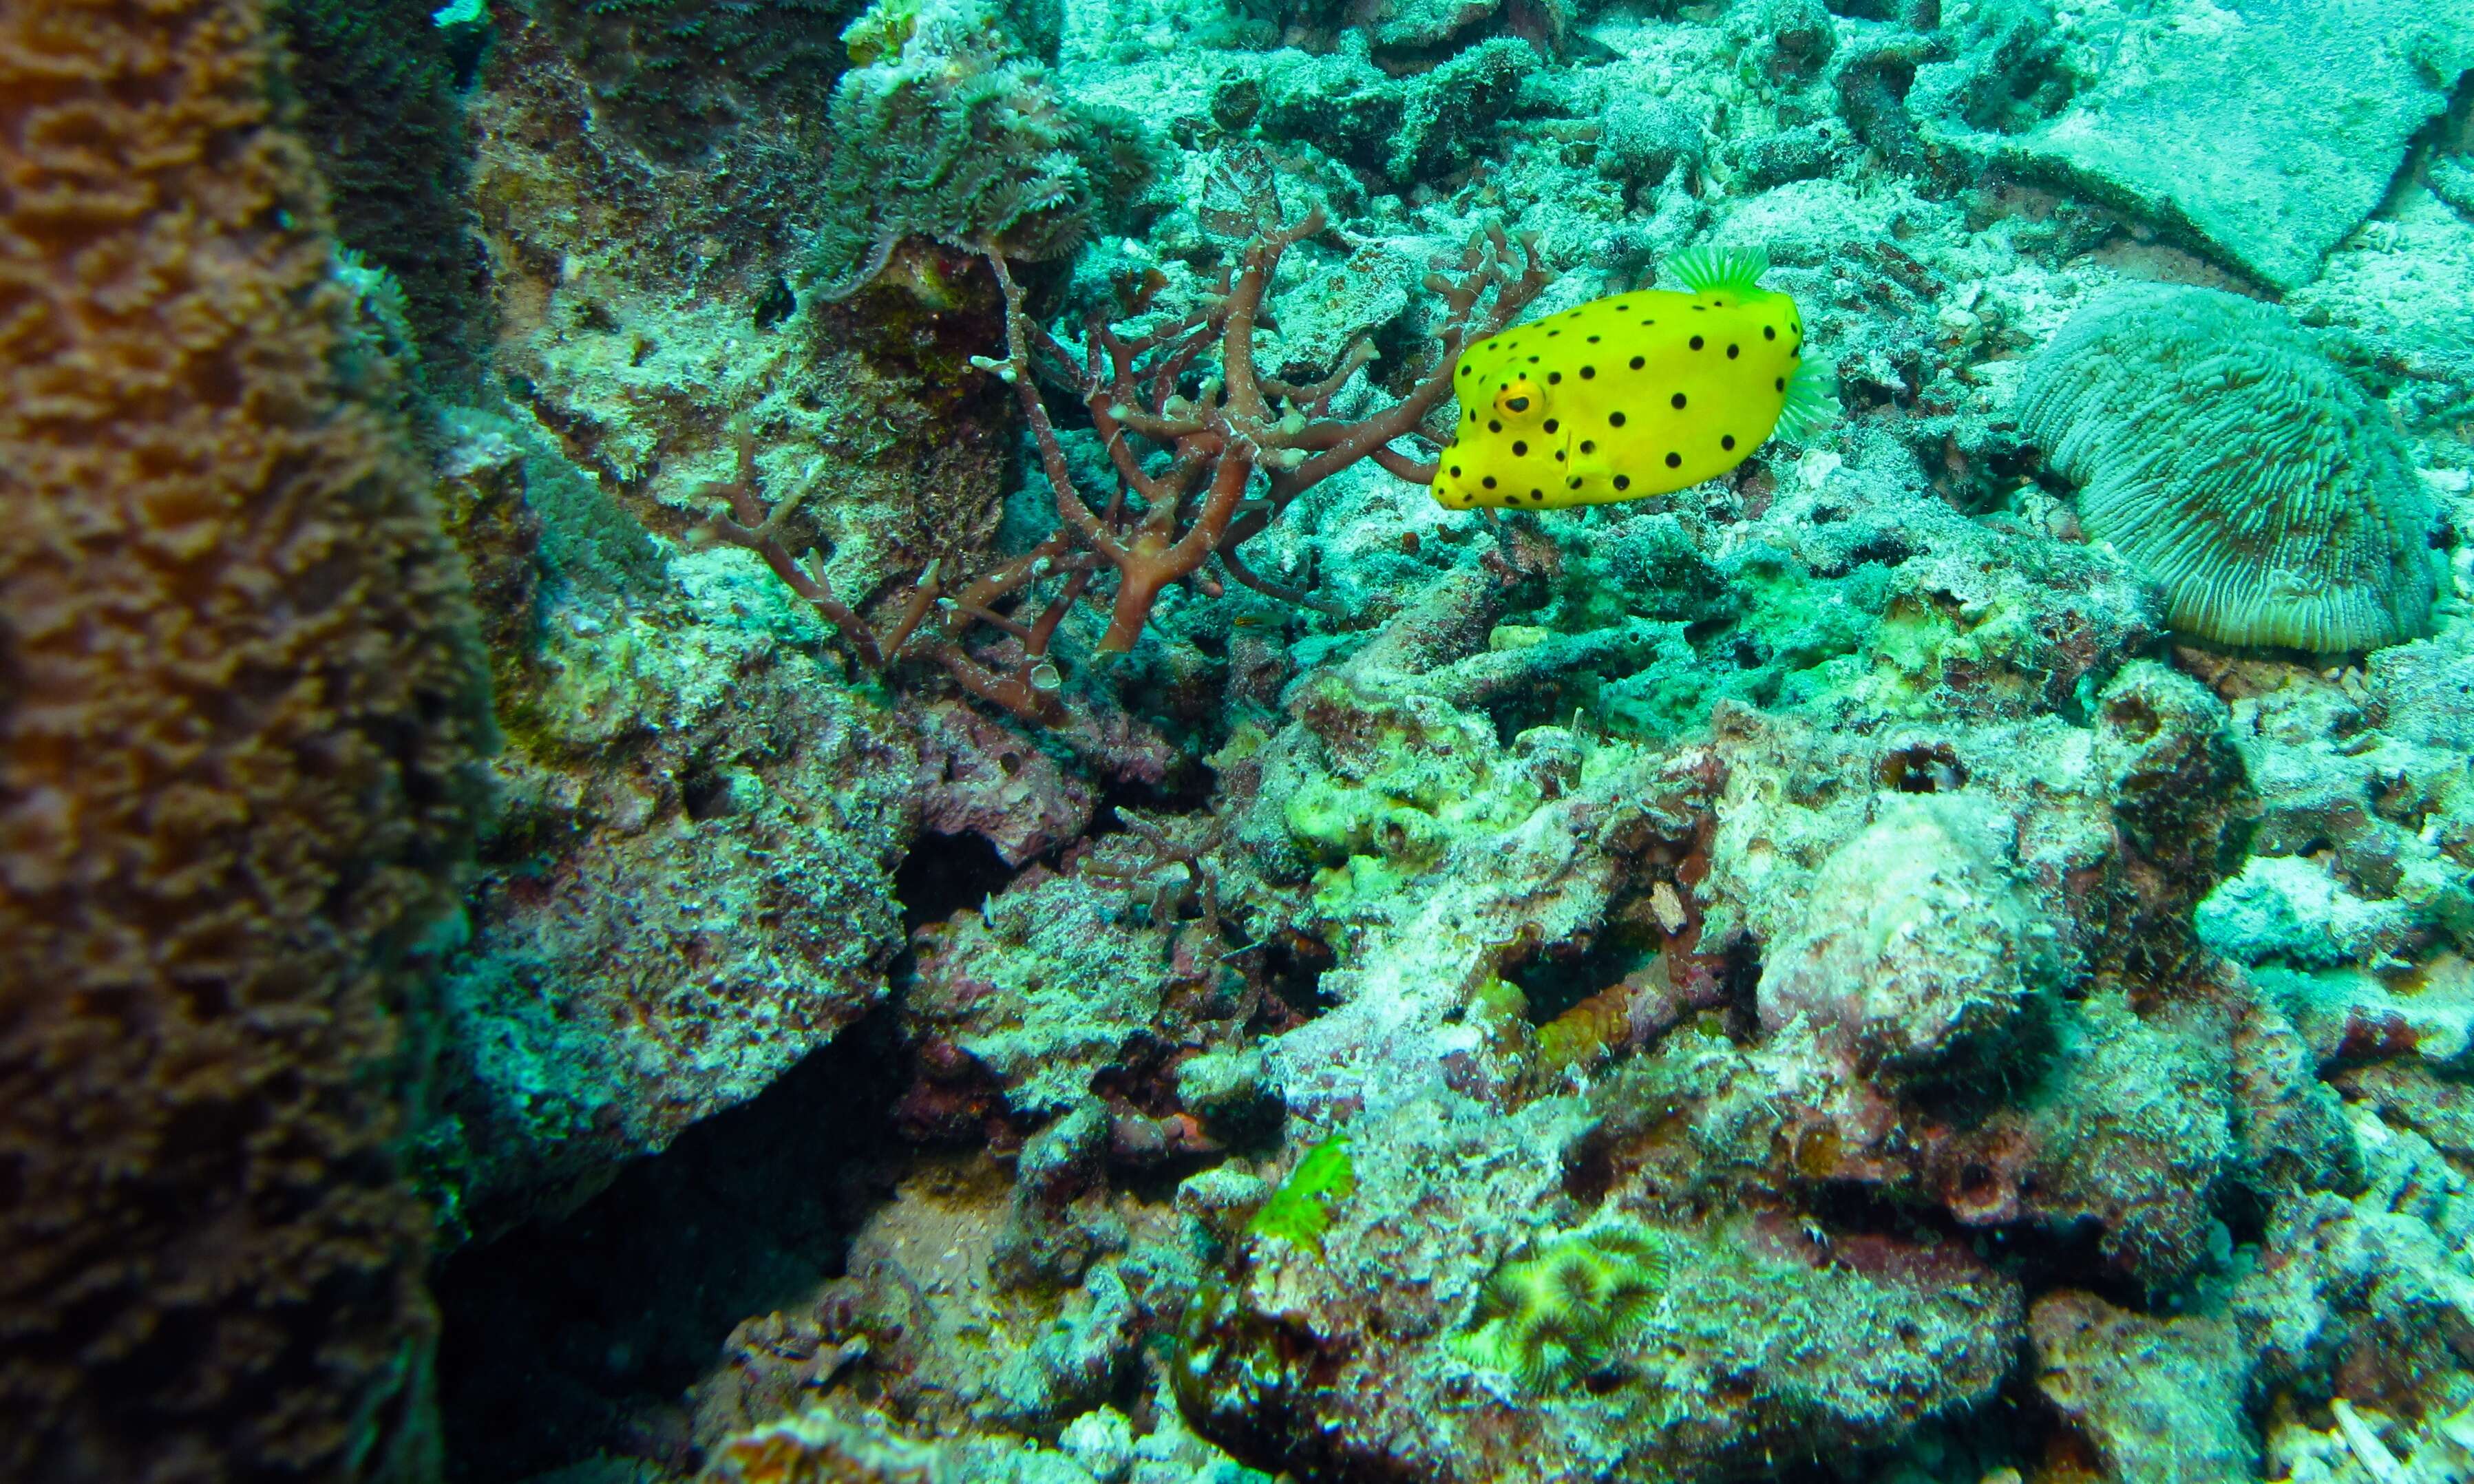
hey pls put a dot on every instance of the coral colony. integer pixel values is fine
(1217, 741)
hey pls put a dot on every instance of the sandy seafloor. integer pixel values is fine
(1879, 966)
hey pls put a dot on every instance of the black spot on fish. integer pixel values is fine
(1456, 471)
(1550, 424)
(1554, 377)
(1676, 402)
(1728, 442)
(1573, 482)
(1696, 339)
(1493, 426)
(1769, 332)
(1520, 451)
(1593, 340)
(1638, 362)
(1487, 481)
(1559, 455)
(1586, 446)
(1675, 461)
(1735, 351)
(1537, 494)
(1615, 419)
(1623, 482)
(1780, 383)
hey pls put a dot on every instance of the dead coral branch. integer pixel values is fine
(1207, 501)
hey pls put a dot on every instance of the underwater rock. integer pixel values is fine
(981, 779)
(819, 1447)
(2375, 1293)
(1356, 1359)
(664, 928)
(377, 88)
(685, 887)
(1044, 985)
(2131, 1124)
(2266, 129)
(2387, 809)
(950, 133)
(2291, 909)
(1918, 948)
(2153, 1399)
(678, 77)
(1407, 127)
(2423, 692)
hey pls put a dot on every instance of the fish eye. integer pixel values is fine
(1517, 398)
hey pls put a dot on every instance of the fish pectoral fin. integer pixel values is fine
(1811, 401)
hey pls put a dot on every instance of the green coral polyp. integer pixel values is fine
(1552, 1319)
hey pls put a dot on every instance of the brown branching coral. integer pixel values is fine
(934, 621)
(1201, 506)
(1241, 446)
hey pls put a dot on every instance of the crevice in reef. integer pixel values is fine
(945, 874)
(2041, 1257)
(1292, 970)
(581, 1334)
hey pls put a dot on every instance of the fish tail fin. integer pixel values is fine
(1711, 270)
(1811, 401)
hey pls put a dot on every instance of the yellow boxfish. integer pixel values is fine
(1634, 394)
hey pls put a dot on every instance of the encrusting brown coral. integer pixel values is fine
(1155, 528)
(237, 703)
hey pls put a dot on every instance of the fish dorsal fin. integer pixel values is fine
(1717, 270)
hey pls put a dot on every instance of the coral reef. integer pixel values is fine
(235, 770)
(948, 135)
(1051, 920)
(680, 77)
(377, 88)
(2317, 541)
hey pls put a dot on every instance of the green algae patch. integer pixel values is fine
(1301, 1210)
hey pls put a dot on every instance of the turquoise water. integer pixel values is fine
(1144, 742)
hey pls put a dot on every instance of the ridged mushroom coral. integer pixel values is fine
(2224, 456)
(238, 707)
